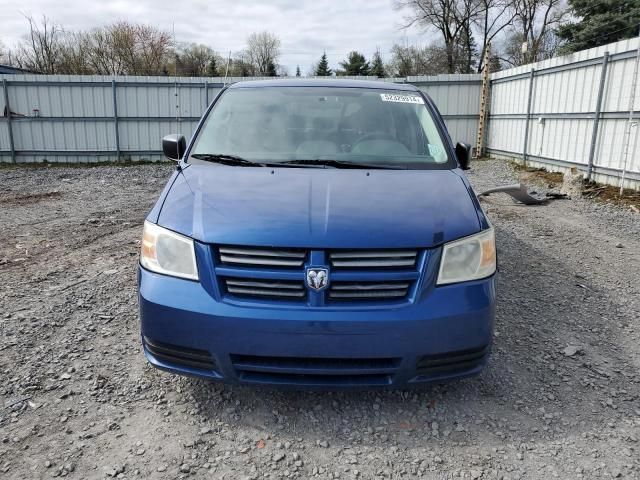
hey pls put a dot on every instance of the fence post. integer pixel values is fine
(5, 89)
(206, 94)
(115, 118)
(528, 118)
(596, 119)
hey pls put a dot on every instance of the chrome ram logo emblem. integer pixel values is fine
(317, 278)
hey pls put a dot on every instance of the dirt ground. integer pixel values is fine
(560, 398)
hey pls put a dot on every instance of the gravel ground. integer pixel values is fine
(560, 398)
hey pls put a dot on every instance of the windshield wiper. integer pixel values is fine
(227, 159)
(342, 164)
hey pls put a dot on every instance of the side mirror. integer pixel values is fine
(174, 146)
(463, 154)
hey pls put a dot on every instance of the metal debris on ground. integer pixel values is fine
(520, 193)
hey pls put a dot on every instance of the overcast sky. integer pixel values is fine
(306, 27)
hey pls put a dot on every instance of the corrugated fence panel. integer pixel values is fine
(71, 118)
(458, 99)
(506, 134)
(147, 135)
(561, 121)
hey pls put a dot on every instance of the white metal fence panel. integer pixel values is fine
(458, 99)
(77, 118)
(563, 112)
(569, 111)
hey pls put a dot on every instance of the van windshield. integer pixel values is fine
(308, 125)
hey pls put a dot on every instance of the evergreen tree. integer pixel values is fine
(272, 71)
(601, 22)
(355, 65)
(466, 52)
(377, 66)
(322, 69)
(212, 68)
(298, 74)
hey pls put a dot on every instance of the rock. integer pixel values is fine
(572, 183)
(571, 350)
(278, 457)
(619, 245)
(184, 468)
(114, 471)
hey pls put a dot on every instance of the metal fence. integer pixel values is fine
(570, 111)
(62, 118)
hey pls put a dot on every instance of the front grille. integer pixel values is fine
(355, 259)
(180, 356)
(391, 290)
(451, 362)
(262, 257)
(285, 289)
(315, 370)
(278, 273)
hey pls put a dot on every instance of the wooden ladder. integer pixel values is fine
(484, 99)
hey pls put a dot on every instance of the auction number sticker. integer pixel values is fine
(392, 97)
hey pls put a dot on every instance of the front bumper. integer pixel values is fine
(443, 335)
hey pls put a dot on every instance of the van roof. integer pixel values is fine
(319, 82)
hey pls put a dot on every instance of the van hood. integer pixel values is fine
(320, 208)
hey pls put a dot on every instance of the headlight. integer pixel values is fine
(167, 252)
(470, 258)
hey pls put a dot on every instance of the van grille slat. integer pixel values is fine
(368, 290)
(370, 286)
(261, 256)
(232, 282)
(373, 263)
(272, 292)
(284, 289)
(375, 254)
(263, 252)
(246, 260)
(373, 258)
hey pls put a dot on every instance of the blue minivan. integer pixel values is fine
(318, 234)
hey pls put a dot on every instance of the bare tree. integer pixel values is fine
(407, 60)
(196, 61)
(4, 53)
(42, 47)
(118, 49)
(151, 49)
(241, 66)
(75, 52)
(534, 21)
(449, 17)
(263, 51)
(494, 17)
(126, 49)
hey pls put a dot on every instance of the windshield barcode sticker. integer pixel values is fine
(388, 97)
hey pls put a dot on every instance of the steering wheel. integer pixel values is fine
(374, 136)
